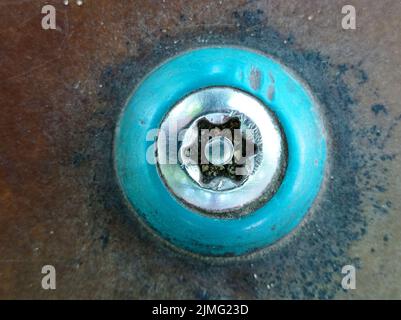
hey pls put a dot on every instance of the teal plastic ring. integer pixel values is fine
(295, 108)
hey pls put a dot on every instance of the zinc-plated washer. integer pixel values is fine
(263, 169)
(258, 75)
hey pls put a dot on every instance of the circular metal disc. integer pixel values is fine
(265, 168)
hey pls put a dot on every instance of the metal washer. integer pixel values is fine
(263, 171)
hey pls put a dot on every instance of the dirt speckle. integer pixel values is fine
(379, 108)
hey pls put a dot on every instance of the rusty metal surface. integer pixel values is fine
(61, 92)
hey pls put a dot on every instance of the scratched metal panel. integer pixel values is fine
(62, 90)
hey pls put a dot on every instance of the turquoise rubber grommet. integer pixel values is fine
(286, 96)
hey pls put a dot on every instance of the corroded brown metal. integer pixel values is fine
(61, 92)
